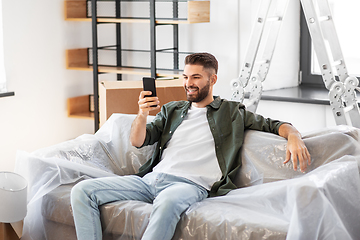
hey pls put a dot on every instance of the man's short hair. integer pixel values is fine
(207, 60)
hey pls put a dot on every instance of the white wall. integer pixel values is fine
(35, 39)
(305, 117)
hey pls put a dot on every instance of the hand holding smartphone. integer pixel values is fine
(149, 85)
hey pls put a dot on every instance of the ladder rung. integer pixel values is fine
(262, 62)
(324, 18)
(274, 19)
(337, 63)
(348, 108)
(270, 19)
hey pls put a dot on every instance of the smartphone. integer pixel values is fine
(149, 85)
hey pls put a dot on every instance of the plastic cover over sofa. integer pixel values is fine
(273, 201)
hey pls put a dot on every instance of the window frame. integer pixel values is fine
(306, 76)
(2, 68)
(7, 94)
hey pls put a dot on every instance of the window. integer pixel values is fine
(344, 13)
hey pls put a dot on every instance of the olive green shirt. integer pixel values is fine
(227, 120)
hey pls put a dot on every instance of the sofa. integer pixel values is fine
(272, 202)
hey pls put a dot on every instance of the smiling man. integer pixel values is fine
(197, 154)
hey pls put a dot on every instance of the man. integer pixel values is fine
(197, 154)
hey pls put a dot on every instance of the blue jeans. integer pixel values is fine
(170, 196)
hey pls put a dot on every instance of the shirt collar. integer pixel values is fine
(181, 104)
(216, 103)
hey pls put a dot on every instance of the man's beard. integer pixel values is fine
(201, 93)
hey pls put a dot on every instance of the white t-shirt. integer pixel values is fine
(191, 151)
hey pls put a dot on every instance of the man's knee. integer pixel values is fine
(79, 191)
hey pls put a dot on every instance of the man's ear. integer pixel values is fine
(213, 79)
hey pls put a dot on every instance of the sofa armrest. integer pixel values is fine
(115, 136)
(263, 153)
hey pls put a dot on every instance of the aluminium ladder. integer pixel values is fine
(321, 26)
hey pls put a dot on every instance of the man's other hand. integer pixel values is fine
(296, 149)
(298, 153)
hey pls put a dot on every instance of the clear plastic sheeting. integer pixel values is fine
(106, 153)
(323, 204)
(273, 201)
(263, 154)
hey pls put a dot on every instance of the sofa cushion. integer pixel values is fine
(115, 216)
(129, 219)
(56, 205)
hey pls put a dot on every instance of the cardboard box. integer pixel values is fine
(123, 96)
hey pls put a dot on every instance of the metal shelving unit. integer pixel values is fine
(87, 59)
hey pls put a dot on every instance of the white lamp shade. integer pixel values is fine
(13, 197)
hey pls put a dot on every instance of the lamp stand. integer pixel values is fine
(11, 231)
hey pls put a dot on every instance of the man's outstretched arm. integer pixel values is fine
(138, 127)
(296, 149)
